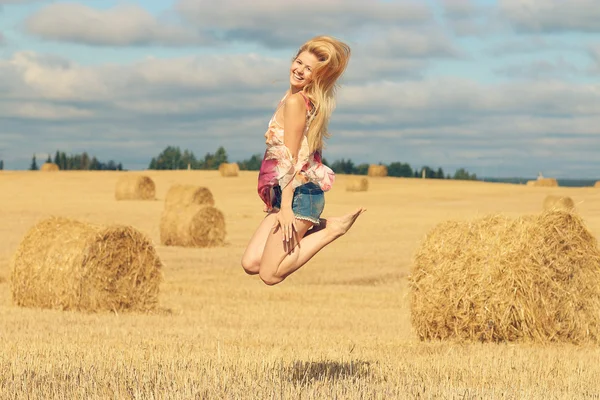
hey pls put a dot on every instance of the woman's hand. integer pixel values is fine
(286, 221)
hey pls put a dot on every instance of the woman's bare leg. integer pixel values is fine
(256, 246)
(278, 261)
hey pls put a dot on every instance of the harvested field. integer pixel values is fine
(338, 328)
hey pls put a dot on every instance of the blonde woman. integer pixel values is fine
(292, 179)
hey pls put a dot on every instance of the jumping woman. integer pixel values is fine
(292, 178)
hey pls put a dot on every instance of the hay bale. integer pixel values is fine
(135, 187)
(192, 226)
(186, 195)
(552, 202)
(49, 167)
(229, 169)
(377, 170)
(543, 182)
(530, 279)
(70, 265)
(597, 184)
(357, 184)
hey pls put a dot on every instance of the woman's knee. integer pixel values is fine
(251, 266)
(270, 279)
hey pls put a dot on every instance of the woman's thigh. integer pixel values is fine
(254, 250)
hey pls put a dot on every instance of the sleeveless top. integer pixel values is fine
(278, 168)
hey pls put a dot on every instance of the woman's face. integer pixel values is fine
(302, 69)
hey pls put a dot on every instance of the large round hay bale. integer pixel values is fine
(543, 182)
(529, 279)
(71, 265)
(192, 226)
(229, 169)
(552, 202)
(355, 184)
(49, 167)
(185, 195)
(377, 170)
(135, 187)
(597, 184)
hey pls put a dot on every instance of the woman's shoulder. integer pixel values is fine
(298, 101)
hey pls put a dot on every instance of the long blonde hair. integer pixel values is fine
(333, 56)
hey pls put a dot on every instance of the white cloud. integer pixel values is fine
(552, 15)
(541, 69)
(284, 23)
(123, 25)
(404, 43)
(203, 102)
(529, 45)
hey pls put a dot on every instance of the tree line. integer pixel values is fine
(172, 158)
(77, 162)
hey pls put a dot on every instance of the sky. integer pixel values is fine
(502, 88)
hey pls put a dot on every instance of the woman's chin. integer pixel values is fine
(297, 85)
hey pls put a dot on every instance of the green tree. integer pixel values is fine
(49, 159)
(343, 166)
(1, 165)
(251, 164)
(63, 161)
(400, 169)
(169, 159)
(85, 161)
(57, 158)
(463, 174)
(361, 169)
(33, 166)
(440, 173)
(220, 157)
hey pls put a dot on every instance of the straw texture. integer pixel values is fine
(135, 187)
(530, 279)
(71, 265)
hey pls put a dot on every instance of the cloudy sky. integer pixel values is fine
(502, 88)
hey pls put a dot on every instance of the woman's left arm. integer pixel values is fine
(294, 126)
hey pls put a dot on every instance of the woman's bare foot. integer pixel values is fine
(338, 226)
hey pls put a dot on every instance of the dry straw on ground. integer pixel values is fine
(552, 202)
(70, 265)
(543, 182)
(185, 195)
(192, 226)
(355, 184)
(229, 169)
(530, 279)
(135, 187)
(377, 170)
(49, 167)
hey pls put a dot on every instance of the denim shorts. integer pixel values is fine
(308, 202)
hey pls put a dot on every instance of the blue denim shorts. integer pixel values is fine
(308, 202)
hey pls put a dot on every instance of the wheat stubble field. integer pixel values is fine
(338, 328)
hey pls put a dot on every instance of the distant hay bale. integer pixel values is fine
(597, 184)
(357, 184)
(135, 187)
(49, 167)
(229, 169)
(185, 195)
(552, 202)
(70, 265)
(192, 226)
(377, 170)
(530, 279)
(543, 182)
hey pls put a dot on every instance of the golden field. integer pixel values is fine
(338, 328)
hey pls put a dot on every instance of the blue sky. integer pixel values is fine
(503, 88)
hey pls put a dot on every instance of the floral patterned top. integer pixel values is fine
(278, 168)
